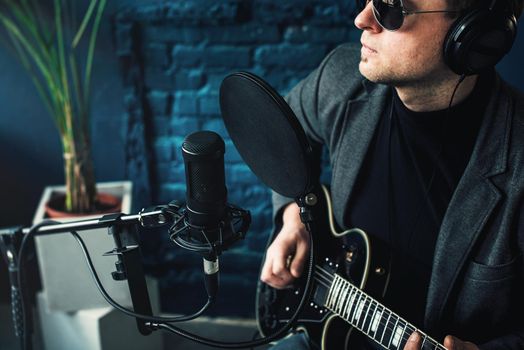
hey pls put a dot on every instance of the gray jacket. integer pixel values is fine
(477, 282)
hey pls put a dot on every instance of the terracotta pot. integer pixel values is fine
(105, 203)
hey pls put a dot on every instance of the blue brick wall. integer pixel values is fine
(174, 56)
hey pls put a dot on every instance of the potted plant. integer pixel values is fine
(49, 46)
(57, 50)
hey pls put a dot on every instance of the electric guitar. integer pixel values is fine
(348, 280)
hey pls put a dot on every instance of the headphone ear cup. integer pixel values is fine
(478, 40)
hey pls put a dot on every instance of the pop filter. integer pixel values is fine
(266, 133)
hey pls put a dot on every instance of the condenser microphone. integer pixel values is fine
(206, 196)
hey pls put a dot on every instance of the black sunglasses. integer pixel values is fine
(390, 13)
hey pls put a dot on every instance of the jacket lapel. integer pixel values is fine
(361, 120)
(471, 205)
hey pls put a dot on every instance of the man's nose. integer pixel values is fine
(365, 20)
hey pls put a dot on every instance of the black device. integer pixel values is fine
(209, 224)
(269, 137)
(480, 37)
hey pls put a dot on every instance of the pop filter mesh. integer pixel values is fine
(266, 133)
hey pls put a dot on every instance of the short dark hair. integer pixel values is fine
(516, 6)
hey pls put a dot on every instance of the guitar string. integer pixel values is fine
(407, 326)
(328, 280)
(369, 302)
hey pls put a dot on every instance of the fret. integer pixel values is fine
(333, 292)
(344, 300)
(362, 314)
(365, 321)
(401, 337)
(372, 317)
(349, 304)
(408, 330)
(398, 333)
(393, 330)
(376, 320)
(359, 306)
(340, 295)
(385, 328)
(352, 304)
(424, 338)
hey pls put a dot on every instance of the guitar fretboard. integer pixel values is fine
(372, 318)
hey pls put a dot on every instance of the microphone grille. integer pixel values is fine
(203, 143)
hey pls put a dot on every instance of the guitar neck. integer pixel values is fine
(372, 318)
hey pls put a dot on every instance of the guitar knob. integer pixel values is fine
(380, 271)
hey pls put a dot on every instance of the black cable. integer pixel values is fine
(252, 343)
(25, 340)
(119, 307)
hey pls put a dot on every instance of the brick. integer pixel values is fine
(177, 146)
(213, 56)
(177, 171)
(275, 12)
(160, 127)
(191, 79)
(208, 104)
(156, 78)
(232, 155)
(159, 102)
(318, 35)
(216, 125)
(171, 191)
(185, 12)
(227, 56)
(239, 174)
(248, 33)
(182, 126)
(214, 79)
(185, 103)
(156, 55)
(171, 33)
(163, 148)
(124, 38)
(253, 196)
(162, 172)
(187, 56)
(287, 55)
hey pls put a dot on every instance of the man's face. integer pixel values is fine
(412, 55)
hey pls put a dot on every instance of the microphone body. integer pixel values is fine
(206, 193)
(206, 197)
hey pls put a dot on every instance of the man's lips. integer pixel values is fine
(367, 48)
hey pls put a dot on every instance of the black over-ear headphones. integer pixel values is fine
(479, 38)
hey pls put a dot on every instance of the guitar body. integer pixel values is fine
(348, 254)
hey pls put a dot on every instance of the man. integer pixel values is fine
(427, 160)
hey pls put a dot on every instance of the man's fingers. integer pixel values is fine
(298, 261)
(281, 268)
(414, 342)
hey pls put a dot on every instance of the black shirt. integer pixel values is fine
(410, 172)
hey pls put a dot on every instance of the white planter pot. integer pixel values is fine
(66, 280)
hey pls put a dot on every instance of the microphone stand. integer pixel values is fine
(127, 267)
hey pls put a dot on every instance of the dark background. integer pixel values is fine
(158, 66)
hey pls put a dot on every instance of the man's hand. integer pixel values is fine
(450, 343)
(286, 256)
